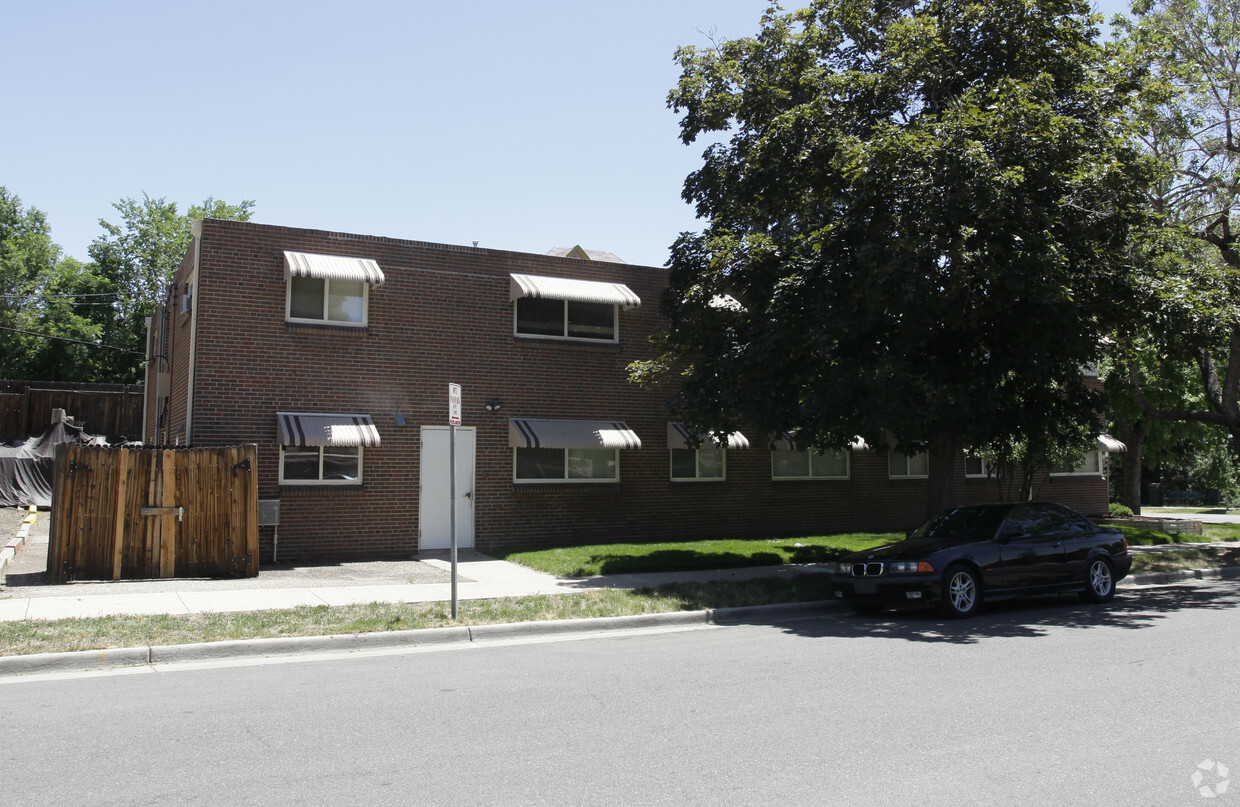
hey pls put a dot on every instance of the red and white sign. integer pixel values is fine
(454, 404)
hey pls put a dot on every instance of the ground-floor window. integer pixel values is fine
(808, 464)
(901, 466)
(1088, 464)
(705, 464)
(339, 465)
(566, 465)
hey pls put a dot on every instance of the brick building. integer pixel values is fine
(333, 352)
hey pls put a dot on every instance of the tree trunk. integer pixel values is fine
(1130, 481)
(942, 468)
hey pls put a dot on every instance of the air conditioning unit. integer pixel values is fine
(187, 299)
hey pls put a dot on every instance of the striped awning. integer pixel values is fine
(332, 267)
(326, 430)
(576, 291)
(679, 437)
(1108, 443)
(786, 441)
(529, 433)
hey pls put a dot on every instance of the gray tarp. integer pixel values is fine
(26, 465)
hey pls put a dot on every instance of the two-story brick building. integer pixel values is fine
(333, 352)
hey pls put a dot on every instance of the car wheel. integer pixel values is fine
(867, 608)
(962, 592)
(1099, 581)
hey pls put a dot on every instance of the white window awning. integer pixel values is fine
(530, 433)
(576, 291)
(1108, 443)
(679, 437)
(332, 267)
(786, 441)
(300, 429)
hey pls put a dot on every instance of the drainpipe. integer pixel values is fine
(196, 229)
(146, 390)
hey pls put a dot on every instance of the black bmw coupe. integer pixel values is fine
(965, 555)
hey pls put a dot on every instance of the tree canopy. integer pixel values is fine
(917, 218)
(64, 320)
(136, 259)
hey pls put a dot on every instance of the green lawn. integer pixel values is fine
(682, 556)
(21, 637)
(1140, 536)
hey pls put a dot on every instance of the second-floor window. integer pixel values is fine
(330, 289)
(564, 308)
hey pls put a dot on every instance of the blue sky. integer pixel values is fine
(521, 125)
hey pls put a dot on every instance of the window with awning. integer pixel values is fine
(559, 450)
(563, 308)
(331, 289)
(323, 448)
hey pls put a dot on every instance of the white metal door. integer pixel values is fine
(434, 506)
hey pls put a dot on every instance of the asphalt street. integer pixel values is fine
(1040, 702)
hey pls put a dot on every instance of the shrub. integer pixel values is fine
(1120, 510)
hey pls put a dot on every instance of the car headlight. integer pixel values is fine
(842, 568)
(909, 567)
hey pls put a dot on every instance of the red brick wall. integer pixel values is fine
(444, 315)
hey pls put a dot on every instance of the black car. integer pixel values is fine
(965, 555)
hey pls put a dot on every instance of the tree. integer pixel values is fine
(43, 325)
(915, 228)
(1192, 272)
(136, 260)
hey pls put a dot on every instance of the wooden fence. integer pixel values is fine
(113, 409)
(142, 513)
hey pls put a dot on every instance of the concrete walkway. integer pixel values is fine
(425, 579)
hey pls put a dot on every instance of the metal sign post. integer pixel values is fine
(454, 420)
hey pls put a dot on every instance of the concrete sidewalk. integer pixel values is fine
(425, 579)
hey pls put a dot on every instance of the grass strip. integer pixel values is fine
(1181, 560)
(98, 633)
(687, 556)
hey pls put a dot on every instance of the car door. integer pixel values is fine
(1032, 548)
(1079, 538)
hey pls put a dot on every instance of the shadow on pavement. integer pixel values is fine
(1131, 609)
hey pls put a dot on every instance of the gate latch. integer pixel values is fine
(163, 511)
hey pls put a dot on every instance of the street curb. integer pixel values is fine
(10, 549)
(300, 645)
(1167, 578)
(555, 627)
(79, 661)
(95, 660)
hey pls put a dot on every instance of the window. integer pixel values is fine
(563, 308)
(331, 465)
(340, 302)
(1087, 464)
(323, 449)
(975, 466)
(566, 465)
(791, 464)
(705, 464)
(329, 288)
(901, 467)
(566, 319)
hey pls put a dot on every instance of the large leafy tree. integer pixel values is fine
(136, 259)
(46, 331)
(1192, 265)
(916, 221)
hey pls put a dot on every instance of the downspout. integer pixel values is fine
(196, 229)
(146, 390)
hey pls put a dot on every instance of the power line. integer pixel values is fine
(74, 341)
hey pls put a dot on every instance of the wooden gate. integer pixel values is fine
(148, 512)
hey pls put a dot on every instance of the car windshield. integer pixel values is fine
(978, 523)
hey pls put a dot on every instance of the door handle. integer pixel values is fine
(470, 495)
